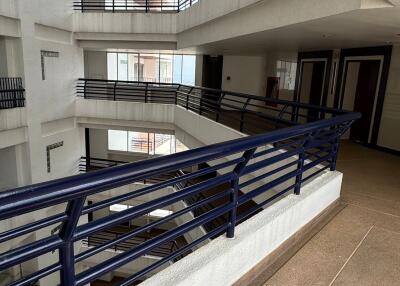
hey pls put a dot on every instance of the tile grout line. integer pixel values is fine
(351, 255)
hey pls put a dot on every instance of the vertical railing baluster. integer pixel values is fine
(147, 6)
(84, 88)
(300, 164)
(242, 113)
(219, 106)
(66, 251)
(115, 90)
(234, 195)
(335, 151)
(145, 92)
(113, 7)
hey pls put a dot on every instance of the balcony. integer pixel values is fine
(301, 145)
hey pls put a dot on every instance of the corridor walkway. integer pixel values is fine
(361, 245)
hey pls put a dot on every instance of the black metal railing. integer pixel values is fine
(118, 6)
(246, 113)
(11, 93)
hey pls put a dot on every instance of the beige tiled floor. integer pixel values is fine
(361, 245)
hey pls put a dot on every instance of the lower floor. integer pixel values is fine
(361, 245)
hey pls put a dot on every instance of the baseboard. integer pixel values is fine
(264, 270)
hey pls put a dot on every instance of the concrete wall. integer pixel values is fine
(254, 239)
(51, 99)
(142, 23)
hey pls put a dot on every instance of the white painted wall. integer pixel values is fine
(388, 132)
(247, 73)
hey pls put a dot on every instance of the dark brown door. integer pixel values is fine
(316, 89)
(364, 100)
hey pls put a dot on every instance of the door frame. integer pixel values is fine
(384, 54)
(317, 56)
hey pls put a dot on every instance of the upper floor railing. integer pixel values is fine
(264, 168)
(118, 6)
(11, 93)
(247, 113)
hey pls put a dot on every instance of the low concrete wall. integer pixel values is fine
(224, 261)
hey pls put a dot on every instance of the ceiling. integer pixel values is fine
(364, 27)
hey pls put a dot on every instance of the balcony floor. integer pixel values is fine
(361, 245)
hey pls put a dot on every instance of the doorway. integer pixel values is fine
(360, 90)
(362, 79)
(312, 82)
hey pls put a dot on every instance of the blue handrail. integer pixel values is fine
(240, 164)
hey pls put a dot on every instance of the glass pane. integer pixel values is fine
(151, 67)
(112, 66)
(138, 142)
(177, 70)
(166, 68)
(133, 67)
(163, 144)
(122, 66)
(189, 70)
(117, 140)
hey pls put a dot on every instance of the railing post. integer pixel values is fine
(115, 90)
(176, 95)
(66, 251)
(113, 3)
(147, 6)
(219, 106)
(242, 112)
(145, 92)
(334, 153)
(300, 165)
(84, 88)
(234, 195)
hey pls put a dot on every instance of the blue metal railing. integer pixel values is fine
(266, 166)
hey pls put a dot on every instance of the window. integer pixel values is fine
(122, 66)
(112, 66)
(138, 142)
(165, 68)
(286, 71)
(143, 142)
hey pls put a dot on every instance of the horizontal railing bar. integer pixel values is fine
(32, 278)
(91, 252)
(159, 186)
(268, 186)
(174, 255)
(145, 208)
(315, 173)
(124, 258)
(270, 161)
(252, 210)
(268, 174)
(29, 251)
(33, 226)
